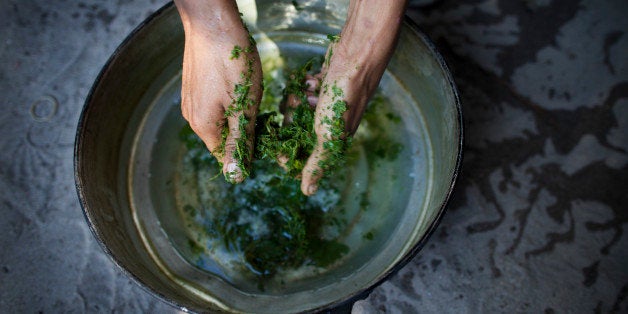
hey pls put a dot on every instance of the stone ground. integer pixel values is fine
(537, 220)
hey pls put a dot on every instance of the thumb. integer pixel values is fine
(312, 171)
(238, 147)
(329, 125)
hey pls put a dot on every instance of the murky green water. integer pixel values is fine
(349, 219)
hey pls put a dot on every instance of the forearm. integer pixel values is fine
(371, 28)
(366, 45)
(212, 18)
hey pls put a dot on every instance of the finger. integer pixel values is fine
(312, 100)
(312, 83)
(238, 147)
(312, 172)
(319, 76)
(287, 106)
(209, 129)
(292, 101)
(282, 161)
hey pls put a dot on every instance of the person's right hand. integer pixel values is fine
(218, 56)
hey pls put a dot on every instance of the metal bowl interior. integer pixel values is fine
(138, 89)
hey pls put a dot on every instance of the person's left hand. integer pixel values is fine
(352, 71)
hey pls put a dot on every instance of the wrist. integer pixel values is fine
(209, 18)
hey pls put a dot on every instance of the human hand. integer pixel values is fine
(221, 82)
(353, 68)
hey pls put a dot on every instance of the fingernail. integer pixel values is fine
(233, 172)
(312, 189)
(311, 83)
(312, 100)
(232, 167)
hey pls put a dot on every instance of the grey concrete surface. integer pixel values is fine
(538, 217)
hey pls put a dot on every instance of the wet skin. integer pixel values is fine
(356, 61)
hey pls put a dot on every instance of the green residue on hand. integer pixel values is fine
(337, 92)
(235, 53)
(240, 104)
(337, 143)
(333, 39)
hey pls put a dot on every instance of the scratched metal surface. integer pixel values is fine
(538, 217)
